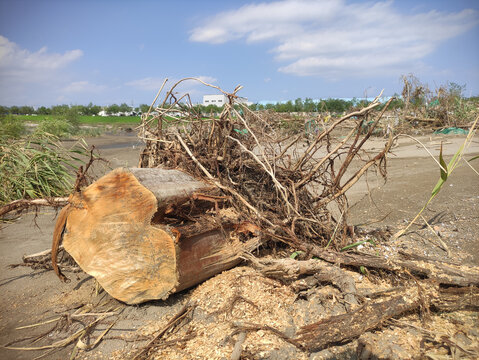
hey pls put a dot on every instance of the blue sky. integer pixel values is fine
(76, 52)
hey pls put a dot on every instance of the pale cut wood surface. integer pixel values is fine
(108, 233)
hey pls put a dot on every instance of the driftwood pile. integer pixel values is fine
(210, 190)
(148, 232)
(284, 184)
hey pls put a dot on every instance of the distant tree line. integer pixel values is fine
(298, 105)
(89, 109)
(308, 105)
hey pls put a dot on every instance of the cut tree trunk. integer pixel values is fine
(116, 231)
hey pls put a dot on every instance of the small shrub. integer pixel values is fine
(10, 127)
(89, 131)
(71, 116)
(57, 127)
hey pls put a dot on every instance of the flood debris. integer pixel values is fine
(71, 327)
(217, 205)
(279, 182)
(43, 260)
(121, 230)
(242, 183)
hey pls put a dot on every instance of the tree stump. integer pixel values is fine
(115, 230)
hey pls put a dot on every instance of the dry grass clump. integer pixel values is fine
(441, 108)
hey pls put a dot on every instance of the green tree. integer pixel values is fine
(212, 108)
(455, 89)
(14, 110)
(93, 109)
(60, 109)
(337, 105)
(286, 107)
(144, 108)
(113, 109)
(26, 110)
(124, 108)
(42, 110)
(79, 109)
(298, 105)
(397, 103)
(309, 105)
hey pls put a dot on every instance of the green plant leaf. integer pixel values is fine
(295, 254)
(444, 174)
(357, 244)
(437, 187)
(444, 169)
(30, 193)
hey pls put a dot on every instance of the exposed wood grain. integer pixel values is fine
(107, 228)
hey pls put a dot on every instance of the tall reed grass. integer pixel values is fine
(37, 167)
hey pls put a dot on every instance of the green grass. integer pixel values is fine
(32, 118)
(37, 167)
(91, 120)
(85, 119)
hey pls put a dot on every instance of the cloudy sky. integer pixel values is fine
(76, 52)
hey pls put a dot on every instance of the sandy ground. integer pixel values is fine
(31, 296)
(411, 176)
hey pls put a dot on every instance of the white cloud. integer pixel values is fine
(84, 86)
(207, 79)
(264, 21)
(336, 39)
(148, 83)
(187, 86)
(32, 78)
(24, 66)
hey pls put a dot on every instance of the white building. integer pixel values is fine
(220, 100)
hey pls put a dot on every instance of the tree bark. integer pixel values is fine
(443, 273)
(348, 326)
(108, 230)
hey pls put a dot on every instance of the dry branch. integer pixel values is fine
(293, 271)
(173, 322)
(372, 314)
(447, 274)
(414, 118)
(21, 204)
(350, 325)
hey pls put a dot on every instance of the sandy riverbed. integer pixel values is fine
(29, 296)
